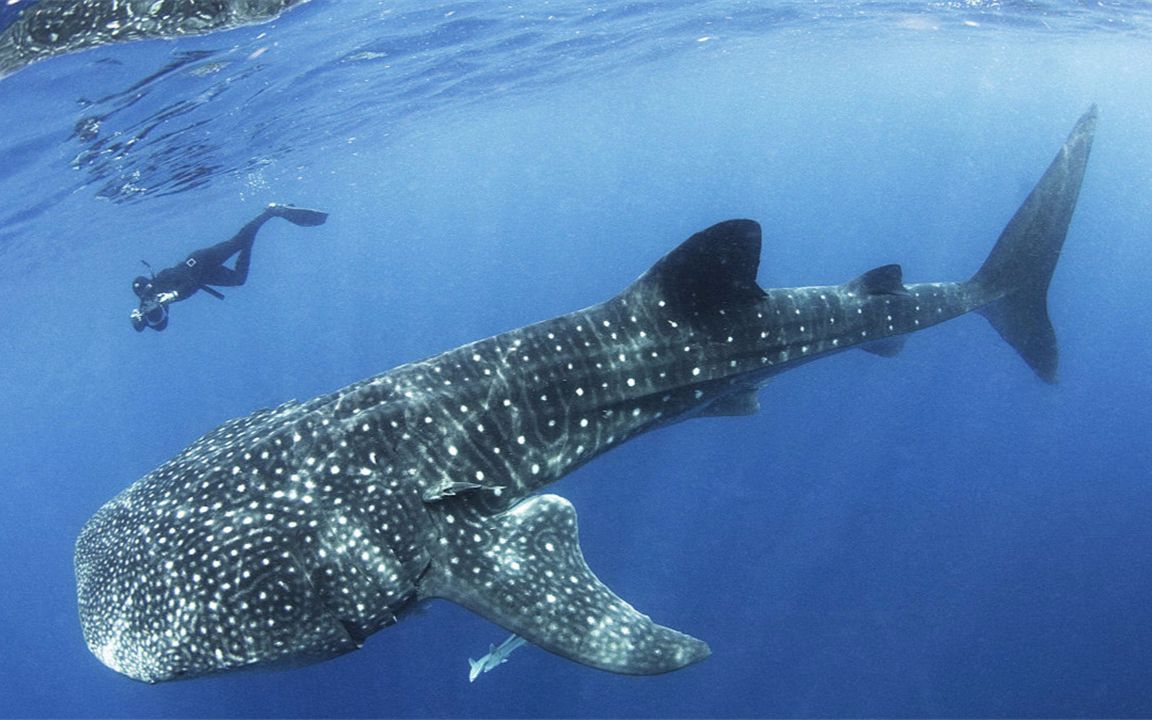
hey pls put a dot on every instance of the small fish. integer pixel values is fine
(497, 656)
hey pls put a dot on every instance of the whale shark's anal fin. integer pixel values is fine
(523, 570)
(741, 403)
(1015, 277)
(886, 347)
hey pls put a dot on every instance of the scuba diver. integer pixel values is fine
(205, 267)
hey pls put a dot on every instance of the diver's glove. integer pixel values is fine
(138, 323)
(166, 297)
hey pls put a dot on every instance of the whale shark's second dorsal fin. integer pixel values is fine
(523, 570)
(884, 280)
(715, 268)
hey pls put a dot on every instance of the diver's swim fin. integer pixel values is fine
(299, 216)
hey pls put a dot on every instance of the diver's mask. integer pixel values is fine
(142, 286)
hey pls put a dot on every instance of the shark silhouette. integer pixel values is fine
(294, 533)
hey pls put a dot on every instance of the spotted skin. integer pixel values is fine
(293, 534)
(54, 27)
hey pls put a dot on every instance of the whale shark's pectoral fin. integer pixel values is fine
(523, 570)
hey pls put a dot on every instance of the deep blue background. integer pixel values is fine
(936, 534)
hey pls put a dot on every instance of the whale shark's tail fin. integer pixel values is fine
(1013, 282)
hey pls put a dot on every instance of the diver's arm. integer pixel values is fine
(176, 283)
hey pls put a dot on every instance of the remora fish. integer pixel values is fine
(497, 655)
(293, 534)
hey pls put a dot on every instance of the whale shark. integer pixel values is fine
(47, 28)
(292, 534)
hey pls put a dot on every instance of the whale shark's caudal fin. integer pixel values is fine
(523, 570)
(1014, 278)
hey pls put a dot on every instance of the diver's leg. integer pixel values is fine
(210, 260)
(219, 253)
(224, 276)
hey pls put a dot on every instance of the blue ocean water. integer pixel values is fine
(937, 534)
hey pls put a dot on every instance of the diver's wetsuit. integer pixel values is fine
(205, 267)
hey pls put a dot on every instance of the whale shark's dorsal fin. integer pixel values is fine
(523, 570)
(714, 268)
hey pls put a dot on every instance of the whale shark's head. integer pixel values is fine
(47, 29)
(181, 608)
(262, 544)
